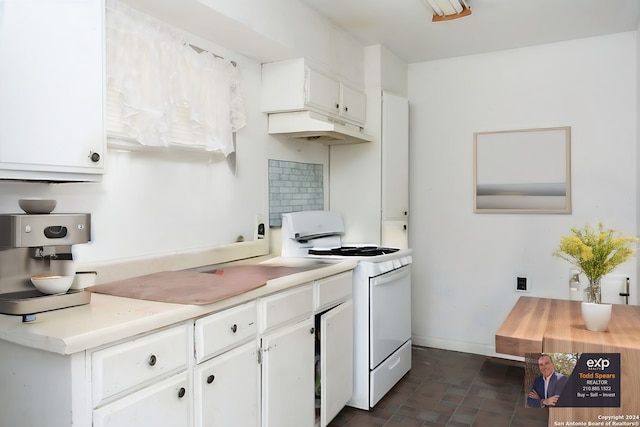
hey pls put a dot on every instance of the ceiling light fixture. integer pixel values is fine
(446, 10)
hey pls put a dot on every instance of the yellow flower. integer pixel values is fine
(586, 253)
(595, 252)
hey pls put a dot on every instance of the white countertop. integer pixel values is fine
(108, 319)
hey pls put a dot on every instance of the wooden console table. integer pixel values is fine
(537, 325)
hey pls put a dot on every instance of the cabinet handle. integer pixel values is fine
(234, 328)
(346, 109)
(312, 330)
(210, 379)
(152, 360)
(95, 157)
(337, 106)
(404, 227)
(181, 392)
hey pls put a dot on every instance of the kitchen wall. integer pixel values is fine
(466, 264)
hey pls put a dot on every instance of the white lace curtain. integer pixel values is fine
(161, 91)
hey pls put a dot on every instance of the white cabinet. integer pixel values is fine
(336, 360)
(226, 389)
(353, 104)
(306, 345)
(130, 384)
(334, 347)
(294, 85)
(320, 91)
(287, 349)
(284, 307)
(167, 403)
(40, 388)
(288, 376)
(395, 170)
(252, 365)
(395, 157)
(52, 86)
(224, 330)
(226, 386)
(117, 369)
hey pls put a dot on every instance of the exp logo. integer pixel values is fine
(599, 364)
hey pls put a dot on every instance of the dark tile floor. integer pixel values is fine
(448, 388)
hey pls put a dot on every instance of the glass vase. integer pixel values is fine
(596, 315)
(593, 292)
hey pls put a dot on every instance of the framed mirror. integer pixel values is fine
(522, 171)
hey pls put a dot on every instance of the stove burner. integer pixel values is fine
(354, 251)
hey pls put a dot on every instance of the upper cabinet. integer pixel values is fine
(294, 85)
(395, 157)
(395, 170)
(52, 85)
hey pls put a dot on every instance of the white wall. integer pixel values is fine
(466, 264)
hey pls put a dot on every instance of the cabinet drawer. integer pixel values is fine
(164, 404)
(283, 307)
(332, 289)
(124, 366)
(220, 331)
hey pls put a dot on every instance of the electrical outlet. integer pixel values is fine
(522, 285)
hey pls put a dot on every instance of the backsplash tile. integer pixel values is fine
(293, 187)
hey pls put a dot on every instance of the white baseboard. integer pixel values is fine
(461, 346)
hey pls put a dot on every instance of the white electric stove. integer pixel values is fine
(381, 299)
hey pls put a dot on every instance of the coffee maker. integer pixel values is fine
(39, 244)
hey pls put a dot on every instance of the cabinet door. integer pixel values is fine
(164, 404)
(336, 360)
(322, 92)
(353, 105)
(395, 156)
(51, 81)
(288, 376)
(395, 233)
(226, 389)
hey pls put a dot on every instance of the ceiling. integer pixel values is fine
(405, 27)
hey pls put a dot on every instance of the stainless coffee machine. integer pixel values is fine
(36, 244)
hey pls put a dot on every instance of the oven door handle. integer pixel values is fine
(385, 278)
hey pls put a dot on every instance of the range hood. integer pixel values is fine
(315, 127)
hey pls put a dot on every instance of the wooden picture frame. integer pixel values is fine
(522, 171)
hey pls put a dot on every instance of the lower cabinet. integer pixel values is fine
(288, 376)
(145, 381)
(226, 391)
(306, 342)
(335, 357)
(122, 368)
(283, 360)
(167, 403)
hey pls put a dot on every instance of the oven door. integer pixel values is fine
(389, 313)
